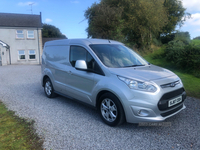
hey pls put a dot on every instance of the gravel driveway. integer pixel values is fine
(66, 124)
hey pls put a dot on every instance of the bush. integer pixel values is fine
(183, 36)
(166, 39)
(186, 57)
(156, 42)
(174, 50)
(178, 36)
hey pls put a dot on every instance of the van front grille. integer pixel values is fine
(163, 102)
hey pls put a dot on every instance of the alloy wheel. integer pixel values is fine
(109, 110)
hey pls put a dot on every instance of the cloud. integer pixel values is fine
(194, 21)
(191, 5)
(47, 20)
(26, 3)
(75, 2)
(192, 25)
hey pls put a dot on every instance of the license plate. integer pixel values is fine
(174, 101)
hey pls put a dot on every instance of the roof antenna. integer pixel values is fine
(31, 4)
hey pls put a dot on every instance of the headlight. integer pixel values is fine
(181, 82)
(137, 85)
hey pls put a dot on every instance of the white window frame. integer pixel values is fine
(31, 54)
(19, 34)
(30, 34)
(21, 54)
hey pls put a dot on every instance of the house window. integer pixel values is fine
(31, 54)
(21, 54)
(20, 34)
(30, 34)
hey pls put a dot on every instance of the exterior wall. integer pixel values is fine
(8, 36)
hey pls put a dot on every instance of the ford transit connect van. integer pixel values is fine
(113, 78)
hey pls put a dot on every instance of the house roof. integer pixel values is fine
(20, 20)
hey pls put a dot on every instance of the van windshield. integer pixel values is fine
(117, 56)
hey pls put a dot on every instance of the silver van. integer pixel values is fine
(113, 78)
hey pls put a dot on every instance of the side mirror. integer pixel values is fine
(81, 65)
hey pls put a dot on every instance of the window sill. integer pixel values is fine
(30, 38)
(20, 38)
(21, 60)
(32, 59)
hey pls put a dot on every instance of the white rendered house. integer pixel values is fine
(20, 39)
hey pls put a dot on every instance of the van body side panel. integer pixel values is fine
(80, 85)
(56, 60)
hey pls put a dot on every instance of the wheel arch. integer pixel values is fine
(107, 91)
(119, 100)
(44, 78)
(99, 95)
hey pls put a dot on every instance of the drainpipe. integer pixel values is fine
(9, 54)
(38, 44)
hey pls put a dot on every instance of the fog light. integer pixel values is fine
(143, 112)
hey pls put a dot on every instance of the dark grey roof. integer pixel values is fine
(20, 20)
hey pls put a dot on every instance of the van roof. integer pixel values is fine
(80, 41)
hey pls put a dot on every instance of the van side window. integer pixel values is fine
(80, 53)
(56, 53)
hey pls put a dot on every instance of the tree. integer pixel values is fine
(134, 21)
(176, 15)
(50, 31)
(196, 38)
(177, 36)
(104, 21)
(143, 20)
(183, 36)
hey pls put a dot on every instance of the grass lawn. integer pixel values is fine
(196, 42)
(191, 83)
(17, 133)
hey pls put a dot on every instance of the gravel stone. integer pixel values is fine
(66, 124)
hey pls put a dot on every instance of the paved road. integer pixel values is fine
(65, 124)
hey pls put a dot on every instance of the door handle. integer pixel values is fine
(69, 72)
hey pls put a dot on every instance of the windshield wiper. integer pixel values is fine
(134, 65)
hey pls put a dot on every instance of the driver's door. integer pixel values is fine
(80, 84)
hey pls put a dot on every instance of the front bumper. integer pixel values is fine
(144, 111)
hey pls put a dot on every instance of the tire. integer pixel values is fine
(111, 110)
(48, 88)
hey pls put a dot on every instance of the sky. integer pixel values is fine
(68, 15)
